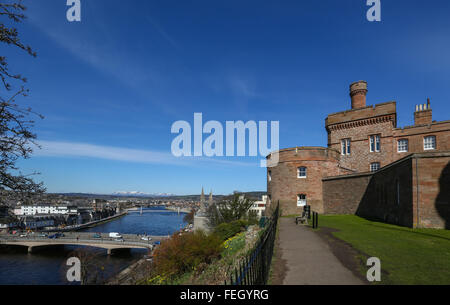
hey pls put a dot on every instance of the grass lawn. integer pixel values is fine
(410, 256)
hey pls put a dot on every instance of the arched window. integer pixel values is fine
(301, 172)
(301, 200)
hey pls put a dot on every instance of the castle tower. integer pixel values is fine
(210, 200)
(358, 92)
(363, 134)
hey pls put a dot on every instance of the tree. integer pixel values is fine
(16, 137)
(92, 269)
(232, 208)
(189, 217)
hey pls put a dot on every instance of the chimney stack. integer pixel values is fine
(423, 114)
(358, 92)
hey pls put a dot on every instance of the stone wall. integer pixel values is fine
(283, 184)
(432, 192)
(388, 196)
(413, 192)
(343, 194)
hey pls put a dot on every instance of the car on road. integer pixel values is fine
(56, 235)
(115, 235)
(147, 238)
(23, 235)
(96, 235)
(43, 235)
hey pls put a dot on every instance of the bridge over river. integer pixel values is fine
(151, 211)
(129, 241)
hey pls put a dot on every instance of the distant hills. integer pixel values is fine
(141, 194)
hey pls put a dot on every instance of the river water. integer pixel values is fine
(47, 265)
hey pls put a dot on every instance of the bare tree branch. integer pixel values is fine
(16, 137)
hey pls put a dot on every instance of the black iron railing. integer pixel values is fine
(254, 268)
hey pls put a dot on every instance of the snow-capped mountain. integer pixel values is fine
(137, 193)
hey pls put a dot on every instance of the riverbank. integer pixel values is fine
(45, 266)
(90, 224)
(181, 210)
(102, 221)
(137, 271)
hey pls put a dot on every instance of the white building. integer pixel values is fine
(259, 206)
(31, 210)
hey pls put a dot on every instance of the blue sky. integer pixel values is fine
(111, 86)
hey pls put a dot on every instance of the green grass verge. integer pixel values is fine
(274, 256)
(410, 256)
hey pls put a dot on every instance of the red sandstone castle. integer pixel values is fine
(370, 168)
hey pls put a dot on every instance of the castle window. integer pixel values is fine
(374, 166)
(301, 172)
(429, 143)
(301, 200)
(402, 145)
(345, 147)
(375, 143)
(269, 175)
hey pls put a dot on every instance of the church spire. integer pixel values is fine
(202, 196)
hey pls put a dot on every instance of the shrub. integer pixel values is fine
(227, 230)
(252, 218)
(186, 253)
(232, 208)
(189, 217)
(234, 244)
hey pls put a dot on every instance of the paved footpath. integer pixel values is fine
(309, 260)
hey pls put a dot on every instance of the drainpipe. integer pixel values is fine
(417, 192)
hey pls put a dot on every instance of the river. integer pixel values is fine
(47, 266)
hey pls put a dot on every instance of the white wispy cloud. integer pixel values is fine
(242, 87)
(97, 46)
(103, 57)
(162, 32)
(86, 150)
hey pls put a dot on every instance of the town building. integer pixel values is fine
(259, 206)
(31, 210)
(370, 167)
